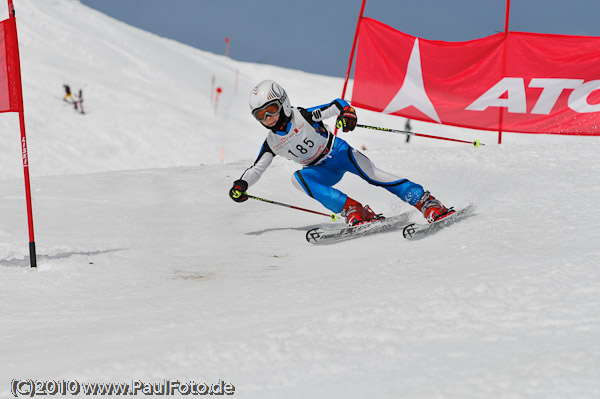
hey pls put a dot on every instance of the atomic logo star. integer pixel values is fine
(412, 92)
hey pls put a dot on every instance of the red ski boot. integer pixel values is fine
(352, 211)
(432, 209)
(356, 214)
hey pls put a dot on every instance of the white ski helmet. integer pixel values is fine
(268, 92)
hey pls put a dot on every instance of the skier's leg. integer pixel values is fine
(405, 189)
(412, 193)
(317, 182)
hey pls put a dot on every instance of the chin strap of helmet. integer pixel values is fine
(281, 122)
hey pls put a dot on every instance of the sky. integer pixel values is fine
(316, 36)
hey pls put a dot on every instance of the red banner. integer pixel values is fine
(540, 83)
(9, 91)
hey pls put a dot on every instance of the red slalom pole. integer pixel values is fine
(500, 109)
(12, 45)
(475, 143)
(332, 216)
(360, 16)
(219, 91)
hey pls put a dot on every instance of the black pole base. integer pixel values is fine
(32, 255)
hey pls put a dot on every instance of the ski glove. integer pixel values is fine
(347, 119)
(238, 191)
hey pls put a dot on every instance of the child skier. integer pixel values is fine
(299, 134)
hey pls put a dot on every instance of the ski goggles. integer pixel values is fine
(268, 109)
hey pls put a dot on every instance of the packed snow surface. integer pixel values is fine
(149, 272)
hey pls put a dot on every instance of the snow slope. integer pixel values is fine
(147, 271)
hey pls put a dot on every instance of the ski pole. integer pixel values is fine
(475, 143)
(332, 216)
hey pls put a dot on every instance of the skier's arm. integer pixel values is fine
(264, 159)
(346, 115)
(252, 174)
(327, 111)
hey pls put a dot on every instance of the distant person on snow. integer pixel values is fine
(299, 134)
(76, 101)
(408, 128)
(68, 97)
(79, 102)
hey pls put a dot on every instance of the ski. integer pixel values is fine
(416, 231)
(332, 234)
